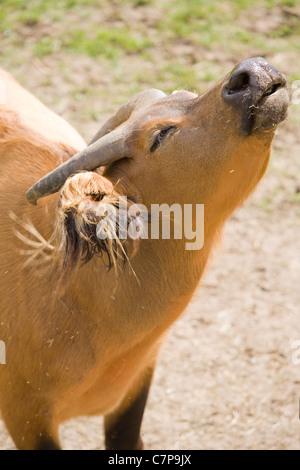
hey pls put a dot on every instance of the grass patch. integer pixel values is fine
(46, 46)
(110, 43)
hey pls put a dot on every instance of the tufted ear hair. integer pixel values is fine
(92, 221)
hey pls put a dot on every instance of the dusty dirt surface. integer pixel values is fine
(228, 376)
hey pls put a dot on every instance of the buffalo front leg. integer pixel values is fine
(30, 424)
(123, 425)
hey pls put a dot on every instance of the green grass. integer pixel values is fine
(107, 42)
(204, 23)
(104, 29)
(45, 46)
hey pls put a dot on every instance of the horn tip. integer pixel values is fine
(31, 198)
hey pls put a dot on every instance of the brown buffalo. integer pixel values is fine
(81, 338)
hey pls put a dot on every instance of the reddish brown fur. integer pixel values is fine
(86, 349)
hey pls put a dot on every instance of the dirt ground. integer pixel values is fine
(229, 372)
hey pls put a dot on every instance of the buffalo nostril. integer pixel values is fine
(238, 81)
(247, 88)
(272, 89)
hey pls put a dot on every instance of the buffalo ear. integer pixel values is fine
(93, 221)
(139, 101)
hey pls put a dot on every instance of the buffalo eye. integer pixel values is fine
(160, 136)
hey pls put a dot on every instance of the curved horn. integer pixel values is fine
(140, 100)
(108, 149)
(107, 146)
